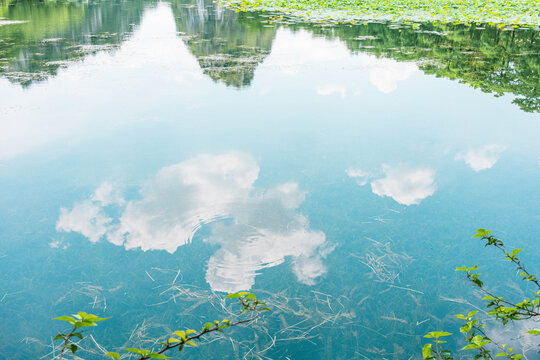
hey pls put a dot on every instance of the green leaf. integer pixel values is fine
(173, 340)
(534, 332)
(477, 340)
(191, 343)
(180, 334)
(68, 319)
(480, 233)
(157, 356)
(95, 318)
(59, 336)
(72, 347)
(114, 355)
(82, 314)
(190, 331)
(437, 334)
(78, 334)
(426, 352)
(516, 251)
(79, 324)
(137, 351)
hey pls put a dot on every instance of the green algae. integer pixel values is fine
(504, 13)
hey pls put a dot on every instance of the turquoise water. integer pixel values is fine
(154, 156)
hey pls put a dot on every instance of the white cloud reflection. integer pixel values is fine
(261, 230)
(406, 186)
(386, 74)
(331, 89)
(86, 217)
(482, 158)
(362, 177)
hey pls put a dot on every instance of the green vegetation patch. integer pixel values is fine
(501, 12)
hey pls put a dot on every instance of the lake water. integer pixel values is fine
(156, 155)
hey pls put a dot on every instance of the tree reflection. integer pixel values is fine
(53, 33)
(488, 58)
(229, 46)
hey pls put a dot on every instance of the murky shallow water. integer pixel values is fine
(155, 155)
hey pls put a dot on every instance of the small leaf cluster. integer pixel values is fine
(79, 320)
(249, 302)
(434, 352)
(475, 336)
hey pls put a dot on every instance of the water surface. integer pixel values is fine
(156, 155)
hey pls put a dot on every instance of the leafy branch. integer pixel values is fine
(499, 307)
(79, 320)
(249, 304)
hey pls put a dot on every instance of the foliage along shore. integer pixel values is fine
(503, 13)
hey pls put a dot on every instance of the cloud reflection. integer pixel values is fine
(362, 177)
(482, 158)
(386, 74)
(259, 228)
(331, 89)
(265, 231)
(407, 186)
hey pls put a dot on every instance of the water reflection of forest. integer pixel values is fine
(229, 46)
(53, 33)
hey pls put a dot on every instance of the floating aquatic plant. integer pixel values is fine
(501, 12)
